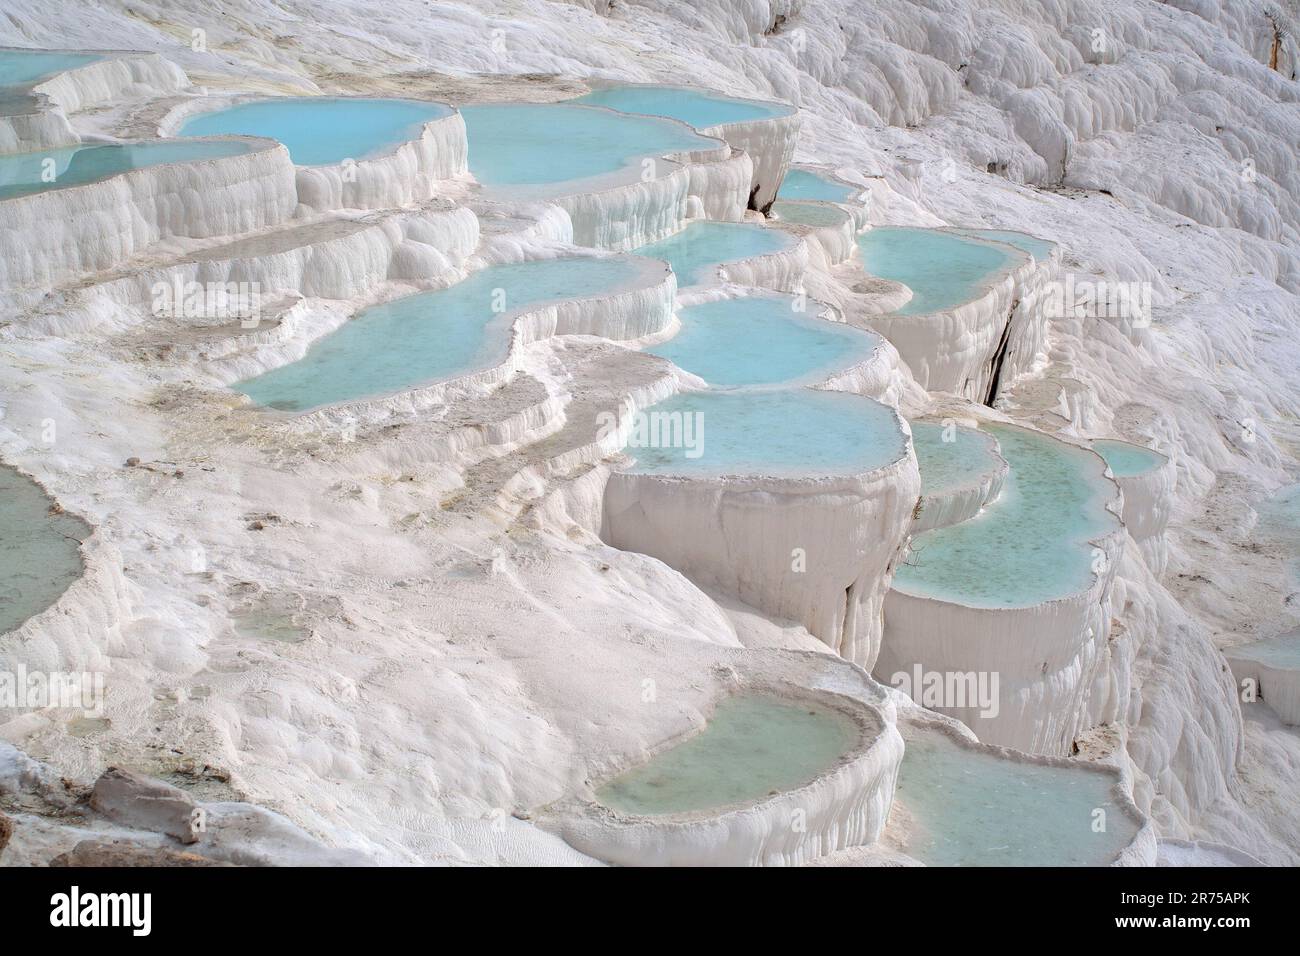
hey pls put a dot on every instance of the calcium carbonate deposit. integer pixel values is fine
(755, 432)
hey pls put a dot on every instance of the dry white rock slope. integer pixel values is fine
(457, 663)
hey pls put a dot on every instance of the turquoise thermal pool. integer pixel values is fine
(697, 252)
(1038, 249)
(781, 433)
(967, 807)
(40, 552)
(1279, 521)
(1031, 545)
(322, 131)
(951, 457)
(752, 746)
(806, 184)
(699, 108)
(943, 270)
(431, 336)
(25, 173)
(761, 340)
(809, 213)
(536, 149)
(26, 67)
(1282, 651)
(1127, 460)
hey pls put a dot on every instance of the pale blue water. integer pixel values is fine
(540, 145)
(1281, 651)
(25, 67)
(971, 808)
(1029, 546)
(806, 184)
(1126, 459)
(321, 130)
(955, 463)
(699, 108)
(788, 432)
(809, 213)
(431, 336)
(23, 173)
(697, 251)
(942, 270)
(752, 746)
(1037, 248)
(761, 340)
(40, 553)
(1279, 519)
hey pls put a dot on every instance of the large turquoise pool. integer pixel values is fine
(26, 67)
(781, 433)
(752, 746)
(968, 807)
(1031, 545)
(942, 269)
(434, 335)
(25, 173)
(761, 340)
(536, 149)
(40, 552)
(698, 251)
(802, 183)
(1127, 460)
(321, 131)
(952, 456)
(695, 107)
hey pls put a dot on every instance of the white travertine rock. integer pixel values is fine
(1275, 681)
(115, 77)
(983, 344)
(845, 806)
(59, 233)
(737, 534)
(1047, 656)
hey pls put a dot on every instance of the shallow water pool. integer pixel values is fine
(971, 808)
(951, 456)
(1282, 651)
(942, 269)
(536, 149)
(1031, 545)
(26, 67)
(434, 335)
(809, 213)
(807, 184)
(320, 131)
(761, 340)
(753, 745)
(1037, 248)
(1126, 459)
(698, 251)
(780, 433)
(40, 552)
(699, 108)
(25, 173)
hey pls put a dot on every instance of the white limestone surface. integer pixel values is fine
(60, 233)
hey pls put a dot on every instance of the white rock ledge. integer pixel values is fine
(404, 173)
(958, 350)
(846, 805)
(92, 227)
(1276, 681)
(738, 534)
(640, 311)
(1047, 656)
